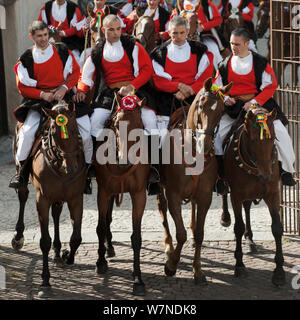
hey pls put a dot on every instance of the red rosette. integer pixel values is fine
(128, 103)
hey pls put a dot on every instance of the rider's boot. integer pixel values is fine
(90, 170)
(286, 177)
(22, 177)
(221, 186)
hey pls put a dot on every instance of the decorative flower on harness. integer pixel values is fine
(261, 121)
(99, 14)
(128, 103)
(61, 120)
(234, 12)
(216, 90)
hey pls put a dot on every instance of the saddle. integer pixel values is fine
(178, 116)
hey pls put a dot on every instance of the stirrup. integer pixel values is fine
(90, 171)
(153, 189)
(154, 176)
(17, 181)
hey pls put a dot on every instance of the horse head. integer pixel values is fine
(144, 31)
(127, 118)
(63, 136)
(206, 112)
(263, 19)
(192, 19)
(234, 21)
(260, 136)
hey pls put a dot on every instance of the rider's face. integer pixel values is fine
(99, 4)
(239, 46)
(153, 4)
(178, 35)
(41, 38)
(112, 31)
(60, 2)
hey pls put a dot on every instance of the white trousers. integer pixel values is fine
(283, 142)
(100, 115)
(214, 49)
(30, 126)
(162, 124)
(81, 60)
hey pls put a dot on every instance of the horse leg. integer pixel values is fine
(278, 278)
(76, 209)
(56, 209)
(110, 249)
(138, 207)
(43, 207)
(193, 221)
(174, 202)
(239, 229)
(163, 208)
(225, 217)
(202, 209)
(103, 202)
(18, 239)
(248, 231)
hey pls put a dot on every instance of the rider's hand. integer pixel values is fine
(179, 96)
(47, 96)
(200, 28)
(247, 105)
(79, 96)
(186, 90)
(230, 101)
(126, 90)
(60, 93)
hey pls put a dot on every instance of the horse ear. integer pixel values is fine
(49, 113)
(179, 5)
(142, 103)
(71, 106)
(207, 84)
(251, 116)
(197, 6)
(152, 13)
(272, 115)
(118, 98)
(227, 88)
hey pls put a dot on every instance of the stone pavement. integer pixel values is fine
(80, 282)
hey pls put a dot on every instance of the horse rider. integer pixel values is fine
(229, 8)
(180, 68)
(45, 73)
(91, 23)
(161, 19)
(119, 63)
(208, 18)
(254, 83)
(65, 16)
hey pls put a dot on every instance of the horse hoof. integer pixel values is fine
(278, 278)
(240, 272)
(169, 272)
(58, 261)
(45, 292)
(139, 289)
(110, 252)
(224, 223)
(102, 268)
(252, 249)
(17, 244)
(66, 257)
(200, 280)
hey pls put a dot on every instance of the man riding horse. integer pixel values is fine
(64, 18)
(208, 18)
(245, 8)
(254, 83)
(45, 73)
(180, 68)
(161, 19)
(117, 63)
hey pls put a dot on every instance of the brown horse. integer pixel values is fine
(144, 31)
(231, 23)
(58, 161)
(202, 118)
(251, 170)
(114, 179)
(263, 19)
